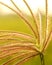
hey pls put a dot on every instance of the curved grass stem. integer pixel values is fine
(26, 58)
(19, 56)
(46, 42)
(40, 31)
(34, 17)
(46, 30)
(21, 15)
(46, 18)
(22, 12)
(17, 34)
(16, 6)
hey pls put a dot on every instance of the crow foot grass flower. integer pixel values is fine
(25, 46)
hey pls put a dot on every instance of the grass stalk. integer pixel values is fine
(42, 59)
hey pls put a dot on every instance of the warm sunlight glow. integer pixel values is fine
(35, 4)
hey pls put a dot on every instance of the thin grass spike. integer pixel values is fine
(40, 31)
(46, 31)
(46, 42)
(30, 11)
(16, 34)
(9, 54)
(22, 12)
(16, 6)
(5, 34)
(34, 17)
(26, 21)
(10, 51)
(26, 58)
(18, 46)
(9, 61)
(22, 55)
(6, 48)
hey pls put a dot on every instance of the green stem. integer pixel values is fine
(42, 59)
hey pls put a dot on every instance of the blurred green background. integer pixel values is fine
(14, 23)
